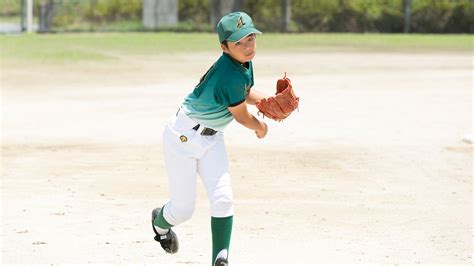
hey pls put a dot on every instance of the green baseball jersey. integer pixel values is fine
(225, 84)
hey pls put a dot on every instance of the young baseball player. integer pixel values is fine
(193, 140)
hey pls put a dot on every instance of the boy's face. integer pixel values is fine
(243, 50)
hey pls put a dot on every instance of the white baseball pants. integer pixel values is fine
(186, 154)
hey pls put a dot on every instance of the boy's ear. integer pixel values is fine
(224, 48)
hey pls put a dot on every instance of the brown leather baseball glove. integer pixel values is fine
(281, 105)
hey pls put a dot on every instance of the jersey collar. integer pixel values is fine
(236, 63)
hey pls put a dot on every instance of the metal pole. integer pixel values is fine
(22, 15)
(407, 15)
(29, 15)
(285, 6)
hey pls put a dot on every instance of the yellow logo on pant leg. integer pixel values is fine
(183, 138)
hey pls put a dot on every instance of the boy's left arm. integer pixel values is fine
(254, 96)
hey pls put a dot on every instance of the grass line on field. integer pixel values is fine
(100, 46)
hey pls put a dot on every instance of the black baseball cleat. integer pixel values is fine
(169, 241)
(221, 262)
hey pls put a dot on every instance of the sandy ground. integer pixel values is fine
(372, 169)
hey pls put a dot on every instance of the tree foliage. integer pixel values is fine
(427, 16)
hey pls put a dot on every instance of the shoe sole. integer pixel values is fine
(221, 262)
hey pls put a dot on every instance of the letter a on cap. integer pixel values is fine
(240, 23)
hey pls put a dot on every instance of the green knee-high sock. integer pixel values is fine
(221, 232)
(161, 222)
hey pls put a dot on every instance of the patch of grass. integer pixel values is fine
(99, 46)
(368, 42)
(73, 47)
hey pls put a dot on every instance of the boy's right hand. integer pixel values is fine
(262, 131)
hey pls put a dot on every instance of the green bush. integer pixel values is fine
(428, 16)
(391, 17)
(389, 21)
(367, 12)
(313, 15)
(193, 11)
(346, 16)
(113, 10)
(461, 18)
(265, 13)
(344, 20)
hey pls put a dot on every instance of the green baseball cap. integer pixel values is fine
(235, 26)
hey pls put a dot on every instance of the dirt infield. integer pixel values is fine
(372, 169)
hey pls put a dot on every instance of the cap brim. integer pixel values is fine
(239, 35)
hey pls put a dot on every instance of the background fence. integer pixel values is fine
(422, 16)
